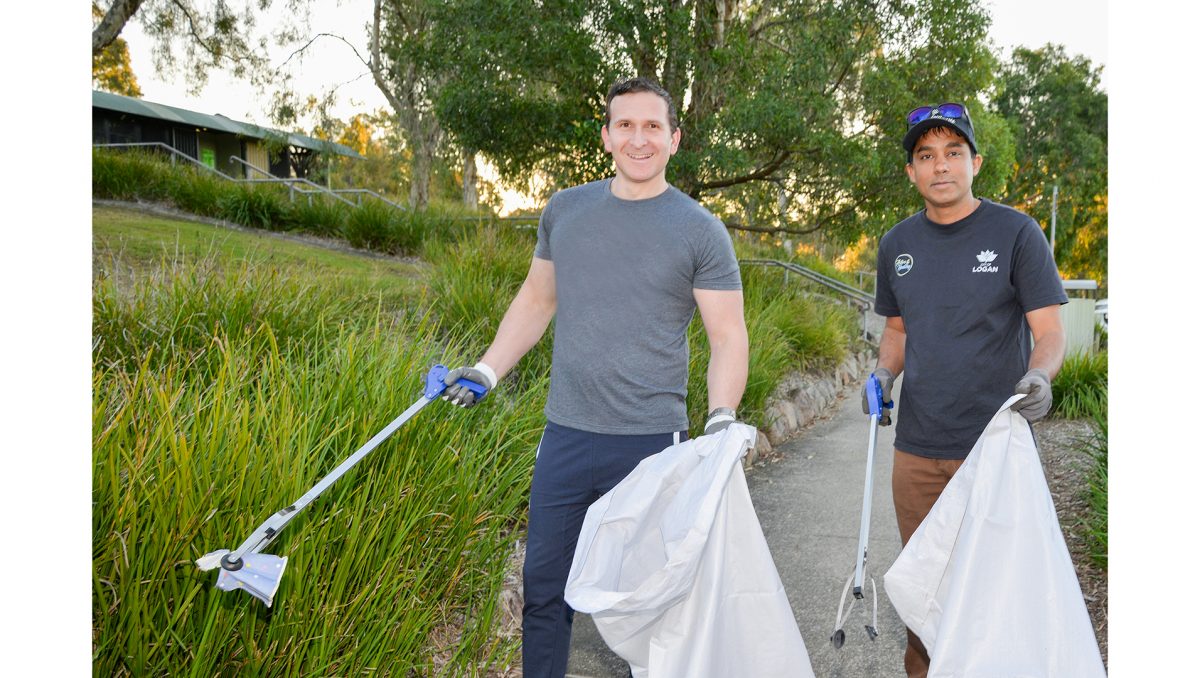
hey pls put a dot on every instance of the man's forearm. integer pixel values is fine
(728, 366)
(522, 327)
(891, 350)
(1048, 352)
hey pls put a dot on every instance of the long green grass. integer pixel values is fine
(191, 454)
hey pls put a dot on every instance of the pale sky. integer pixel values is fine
(1080, 25)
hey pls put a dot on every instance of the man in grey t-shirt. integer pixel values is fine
(962, 283)
(621, 265)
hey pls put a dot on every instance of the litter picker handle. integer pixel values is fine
(270, 529)
(434, 384)
(875, 401)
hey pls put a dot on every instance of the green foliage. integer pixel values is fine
(255, 206)
(371, 227)
(1081, 387)
(111, 69)
(323, 217)
(374, 225)
(192, 455)
(1059, 117)
(804, 98)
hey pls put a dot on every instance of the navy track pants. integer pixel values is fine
(573, 469)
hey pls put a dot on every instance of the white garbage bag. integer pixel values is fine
(986, 581)
(674, 569)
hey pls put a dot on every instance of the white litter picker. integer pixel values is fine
(855, 582)
(247, 568)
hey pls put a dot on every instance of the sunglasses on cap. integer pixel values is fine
(948, 110)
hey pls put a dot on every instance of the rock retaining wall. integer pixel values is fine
(802, 397)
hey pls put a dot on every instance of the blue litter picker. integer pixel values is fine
(259, 574)
(879, 416)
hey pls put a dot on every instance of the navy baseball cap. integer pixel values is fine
(925, 118)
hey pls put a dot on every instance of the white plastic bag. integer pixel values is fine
(674, 569)
(986, 581)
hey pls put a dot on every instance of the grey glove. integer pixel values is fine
(461, 395)
(885, 377)
(719, 420)
(1036, 405)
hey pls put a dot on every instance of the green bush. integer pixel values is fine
(372, 227)
(1081, 387)
(128, 175)
(256, 206)
(323, 217)
(472, 283)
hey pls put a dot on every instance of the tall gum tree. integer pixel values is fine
(792, 110)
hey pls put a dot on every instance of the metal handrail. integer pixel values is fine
(290, 181)
(853, 295)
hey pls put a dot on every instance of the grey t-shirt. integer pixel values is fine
(624, 271)
(962, 290)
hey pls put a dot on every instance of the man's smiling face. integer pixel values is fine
(640, 139)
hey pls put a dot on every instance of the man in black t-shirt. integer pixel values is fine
(962, 283)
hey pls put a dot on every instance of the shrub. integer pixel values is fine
(323, 217)
(371, 226)
(1081, 387)
(128, 175)
(254, 206)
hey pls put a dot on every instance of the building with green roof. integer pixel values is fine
(212, 139)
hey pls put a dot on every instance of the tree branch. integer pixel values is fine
(325, 35)
(113, 22)
(774, 229)
(759, 174)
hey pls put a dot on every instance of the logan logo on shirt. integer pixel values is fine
(985, 258)
(904, 264)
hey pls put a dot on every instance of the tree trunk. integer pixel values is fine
(422, 168)
(470, 188)
(114, 20)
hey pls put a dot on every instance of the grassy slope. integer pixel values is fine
(141, 242)
(156, 426)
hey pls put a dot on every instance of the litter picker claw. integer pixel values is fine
(259, 574)
(877, 408)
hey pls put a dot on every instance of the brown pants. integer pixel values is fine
(917, 482)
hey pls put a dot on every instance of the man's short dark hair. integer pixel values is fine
(942, 129)
(640, 84)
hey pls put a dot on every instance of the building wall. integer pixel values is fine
(256, 154)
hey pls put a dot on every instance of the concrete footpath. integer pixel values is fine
(809, 504)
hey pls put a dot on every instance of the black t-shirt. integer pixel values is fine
(962, 290)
